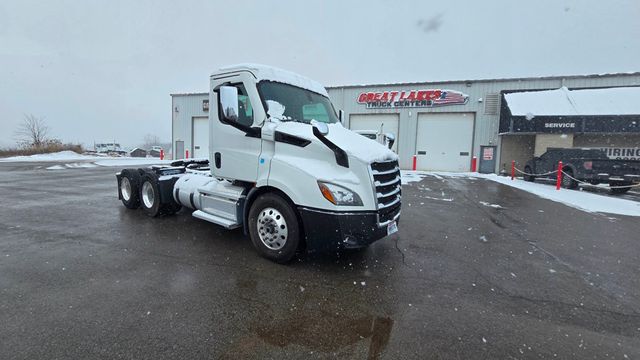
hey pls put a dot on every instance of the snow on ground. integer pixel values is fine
(88, 161)
(58, 156)
(585, 201)
(581, 200)
(131, 161)
(407, 176)
(495, 206)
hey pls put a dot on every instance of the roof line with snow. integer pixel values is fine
(553, 77)
(565, 102)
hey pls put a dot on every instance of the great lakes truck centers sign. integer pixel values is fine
(412, 98)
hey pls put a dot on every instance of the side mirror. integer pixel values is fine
(341, 116)
(322, 127)
(229, 102)
(391, 139)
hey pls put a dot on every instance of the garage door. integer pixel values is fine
(388, 122)
(444, 141)
(200, 137)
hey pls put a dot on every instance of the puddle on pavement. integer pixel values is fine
(329, 333)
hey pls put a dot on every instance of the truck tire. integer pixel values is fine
(567, 182)
(129, 188)
(529, 178)
(273, 228)
(149, 195)
(619, 191)
(150, 198)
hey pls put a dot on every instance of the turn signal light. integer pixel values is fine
(327, 193)
(588, 165)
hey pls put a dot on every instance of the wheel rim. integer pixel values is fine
(272, 229)
(148, 196)
(125, 189)
(566, 180)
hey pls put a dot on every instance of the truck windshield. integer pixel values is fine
(299, 104)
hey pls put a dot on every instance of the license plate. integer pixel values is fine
(392, 228)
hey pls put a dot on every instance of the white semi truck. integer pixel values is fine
(281, 165)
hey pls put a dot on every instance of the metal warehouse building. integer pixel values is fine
(446, 123)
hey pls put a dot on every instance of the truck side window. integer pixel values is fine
(315, 112)
(245, 117)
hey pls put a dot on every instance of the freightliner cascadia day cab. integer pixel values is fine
(281, 165)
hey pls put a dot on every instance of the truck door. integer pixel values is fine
(235, 146)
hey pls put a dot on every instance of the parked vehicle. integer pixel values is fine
(109, 148)
(588, 165)
(281, 166)
(386, 139)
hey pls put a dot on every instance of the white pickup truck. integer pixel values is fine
(281, 165)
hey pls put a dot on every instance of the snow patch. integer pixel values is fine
(495, 206)
(89, 161)
(66, 155)
(80, 165)
(580, 200)
(407, 176)
(131, 162)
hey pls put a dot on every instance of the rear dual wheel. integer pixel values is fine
(620, 190)
(129, 188)
(529, 178)
(150, 198)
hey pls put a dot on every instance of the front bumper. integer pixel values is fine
(327, 231)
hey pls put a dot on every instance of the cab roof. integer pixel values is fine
(270, 73)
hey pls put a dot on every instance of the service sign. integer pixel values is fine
(412, 98)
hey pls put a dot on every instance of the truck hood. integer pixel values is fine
(354, 144)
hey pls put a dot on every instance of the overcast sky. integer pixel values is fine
(103, 70)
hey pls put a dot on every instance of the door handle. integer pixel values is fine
(422, 152)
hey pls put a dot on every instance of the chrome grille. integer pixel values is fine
(386, 179)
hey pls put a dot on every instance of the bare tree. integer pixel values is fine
(151, 140)
(32, 132)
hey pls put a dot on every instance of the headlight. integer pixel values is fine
(339, 195)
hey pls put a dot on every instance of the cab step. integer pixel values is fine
(227, 223)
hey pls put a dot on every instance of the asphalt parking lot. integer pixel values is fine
(83, 277)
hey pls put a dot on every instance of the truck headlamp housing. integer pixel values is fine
(339, 195)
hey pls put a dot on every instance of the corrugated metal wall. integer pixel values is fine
(486, 124)
(480, 91)
(184, 107)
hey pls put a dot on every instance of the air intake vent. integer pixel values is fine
(491, 104)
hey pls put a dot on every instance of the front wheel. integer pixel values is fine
(273, 228)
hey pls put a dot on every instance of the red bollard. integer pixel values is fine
(161, 154)
(415, 162)
(513, 169)
(474, 164)
(186, 154)
(559, 177)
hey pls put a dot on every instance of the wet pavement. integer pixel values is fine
(83, 277)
